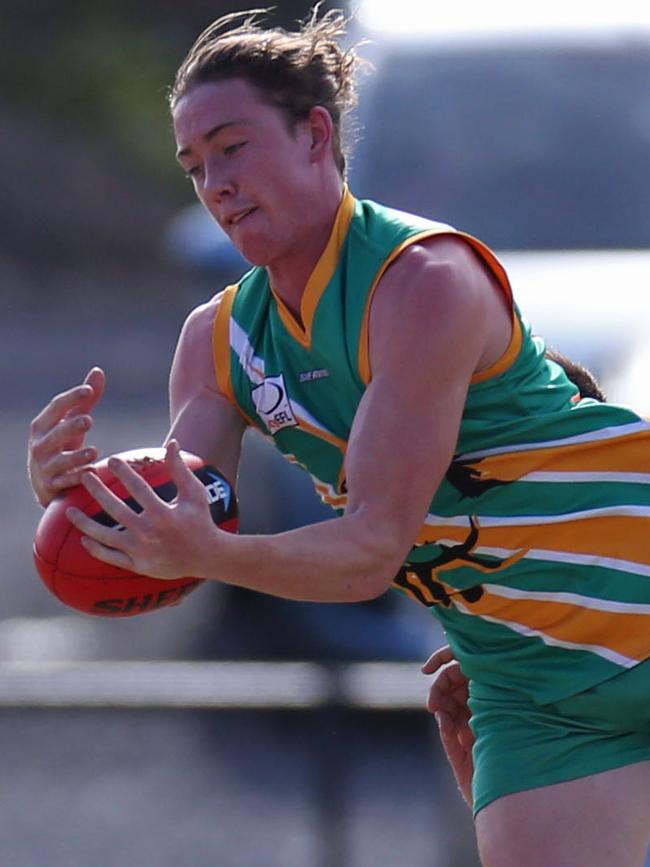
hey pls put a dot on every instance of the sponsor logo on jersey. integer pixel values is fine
(272, 404)
(311, 375)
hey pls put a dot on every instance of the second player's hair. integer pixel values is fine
(584, 379)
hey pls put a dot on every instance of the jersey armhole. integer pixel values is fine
(221, 343)
(488, 257)
(221, 351)
(363, 360)
(507, 359)
(514, 347)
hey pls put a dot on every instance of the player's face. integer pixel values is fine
(248, 168)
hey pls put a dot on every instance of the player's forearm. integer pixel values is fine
(334, 561)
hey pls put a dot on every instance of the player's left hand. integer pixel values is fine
(448, 696)
(163, 540)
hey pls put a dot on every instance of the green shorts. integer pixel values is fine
(522, 746)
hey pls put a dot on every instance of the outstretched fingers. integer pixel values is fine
(110, 502)
(56, 452)
(52, 419)
(112, 544)
(139, 488)
(96, 379)
(187, 485)
(91, 529)
(105, 543)
(107, 554)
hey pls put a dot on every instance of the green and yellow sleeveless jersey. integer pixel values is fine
(535, 554)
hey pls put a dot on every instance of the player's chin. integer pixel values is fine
(258, 260)
(256, 249)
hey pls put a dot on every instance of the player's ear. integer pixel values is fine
(321, 131)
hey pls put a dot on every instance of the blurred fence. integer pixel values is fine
(332, 696)
(211, 685)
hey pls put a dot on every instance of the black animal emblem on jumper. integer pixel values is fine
(451, 556)
(466, 478)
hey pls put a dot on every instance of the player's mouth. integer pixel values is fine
(239, 216)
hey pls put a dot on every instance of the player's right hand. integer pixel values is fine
(57, 455)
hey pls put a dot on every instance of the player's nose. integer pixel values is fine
(217, 185)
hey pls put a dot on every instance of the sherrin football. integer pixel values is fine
(81, 581)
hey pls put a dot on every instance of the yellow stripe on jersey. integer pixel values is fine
(495, 266)
(320, 276)
(329, 496)
(326, 492)
(507, 359)
(221, 349)
(364, 339)
(625, 633)
(221, 343)
(616, 631)
(319, 432)
(609, 536)
(626, 453)
(493, 263)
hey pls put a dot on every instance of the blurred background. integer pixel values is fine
(532, 133)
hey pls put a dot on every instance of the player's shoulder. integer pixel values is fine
(199, 322)
(445, 251)
(194, 348)
(443, 268)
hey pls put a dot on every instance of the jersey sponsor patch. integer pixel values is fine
(272, 403)
(311, 375)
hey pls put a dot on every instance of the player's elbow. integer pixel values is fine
(366, 587)
(381, 553)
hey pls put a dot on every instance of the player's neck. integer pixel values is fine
(290, 274)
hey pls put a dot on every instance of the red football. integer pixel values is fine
(89, 585)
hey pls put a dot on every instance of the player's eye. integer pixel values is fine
(232, 149)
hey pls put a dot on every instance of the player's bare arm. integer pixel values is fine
(436, 318)
(203, 420)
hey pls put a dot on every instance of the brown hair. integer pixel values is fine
(294, 70)
(579, 375)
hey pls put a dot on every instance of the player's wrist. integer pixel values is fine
(217, 554)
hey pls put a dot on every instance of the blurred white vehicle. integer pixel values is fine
(534, 135)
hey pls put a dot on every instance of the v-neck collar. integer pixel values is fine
(320, 276)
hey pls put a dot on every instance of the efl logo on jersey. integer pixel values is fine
(272, 404)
